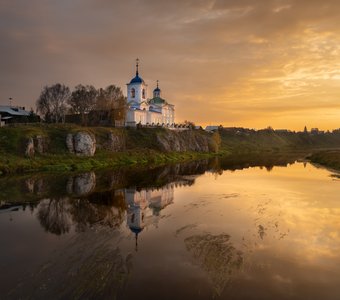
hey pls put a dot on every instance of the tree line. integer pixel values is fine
(84, 104)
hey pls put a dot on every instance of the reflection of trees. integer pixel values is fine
(267, 160)
(53, 215)
(105, 209)
(101, 209)
(217, 256)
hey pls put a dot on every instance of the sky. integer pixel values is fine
(249, 63)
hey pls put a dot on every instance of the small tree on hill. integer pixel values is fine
(189, 124)
(82, 100)
(52, 103)
(112, 103)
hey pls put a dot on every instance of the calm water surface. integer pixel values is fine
(195, 231)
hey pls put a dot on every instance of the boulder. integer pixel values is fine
(81, 143)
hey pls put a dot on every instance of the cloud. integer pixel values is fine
(235, 57)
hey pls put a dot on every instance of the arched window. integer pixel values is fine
(143, 93)
(133, 93)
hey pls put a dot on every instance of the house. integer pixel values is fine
(13, 114)
(211, 128)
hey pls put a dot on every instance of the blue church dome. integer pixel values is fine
(137, 79)
(136, 230)
(157, 89)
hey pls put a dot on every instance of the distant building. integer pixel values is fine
(211, 128)
(314, 131)
(144, 111)
(13, 114)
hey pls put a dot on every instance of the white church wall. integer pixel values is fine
(138, 92)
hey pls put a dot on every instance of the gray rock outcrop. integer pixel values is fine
(81, 143)
(40, 144)
(37, 144)
(183, 141)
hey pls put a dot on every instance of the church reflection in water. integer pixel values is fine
(144, 206)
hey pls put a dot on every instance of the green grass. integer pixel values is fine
(329, 158)
(142, 147)
(60, 163)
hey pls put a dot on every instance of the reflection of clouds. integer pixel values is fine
(309, 230)
(268, 221)
(321, 225)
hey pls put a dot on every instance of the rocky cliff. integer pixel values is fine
(88, 141)
(188, 140)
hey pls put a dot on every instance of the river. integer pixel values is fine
(202, 230)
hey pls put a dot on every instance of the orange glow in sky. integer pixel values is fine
(232, 62)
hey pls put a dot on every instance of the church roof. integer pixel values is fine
(157, 100)
(137, 79)
(157, 89)
(136, 230)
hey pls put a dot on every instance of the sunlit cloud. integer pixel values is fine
(240, 62)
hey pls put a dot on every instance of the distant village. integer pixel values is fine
(88, 106)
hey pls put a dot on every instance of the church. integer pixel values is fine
(144, 111)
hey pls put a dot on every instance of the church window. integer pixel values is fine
(143, 93)
(133, 93)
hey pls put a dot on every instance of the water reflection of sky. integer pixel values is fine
(230, 234)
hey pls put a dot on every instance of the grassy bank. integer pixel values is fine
(59, 163)
(329, 158)
(151, 147)
(141, 147)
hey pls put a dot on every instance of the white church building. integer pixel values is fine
(144, 111)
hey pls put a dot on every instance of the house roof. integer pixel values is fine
(211, 128)
(14, 111)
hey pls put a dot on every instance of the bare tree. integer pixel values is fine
(82, 100)
(52, 103)
(111, 103)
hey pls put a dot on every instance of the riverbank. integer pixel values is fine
(327, 158)
(57, 148)
(67, 147)
(60, 163)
